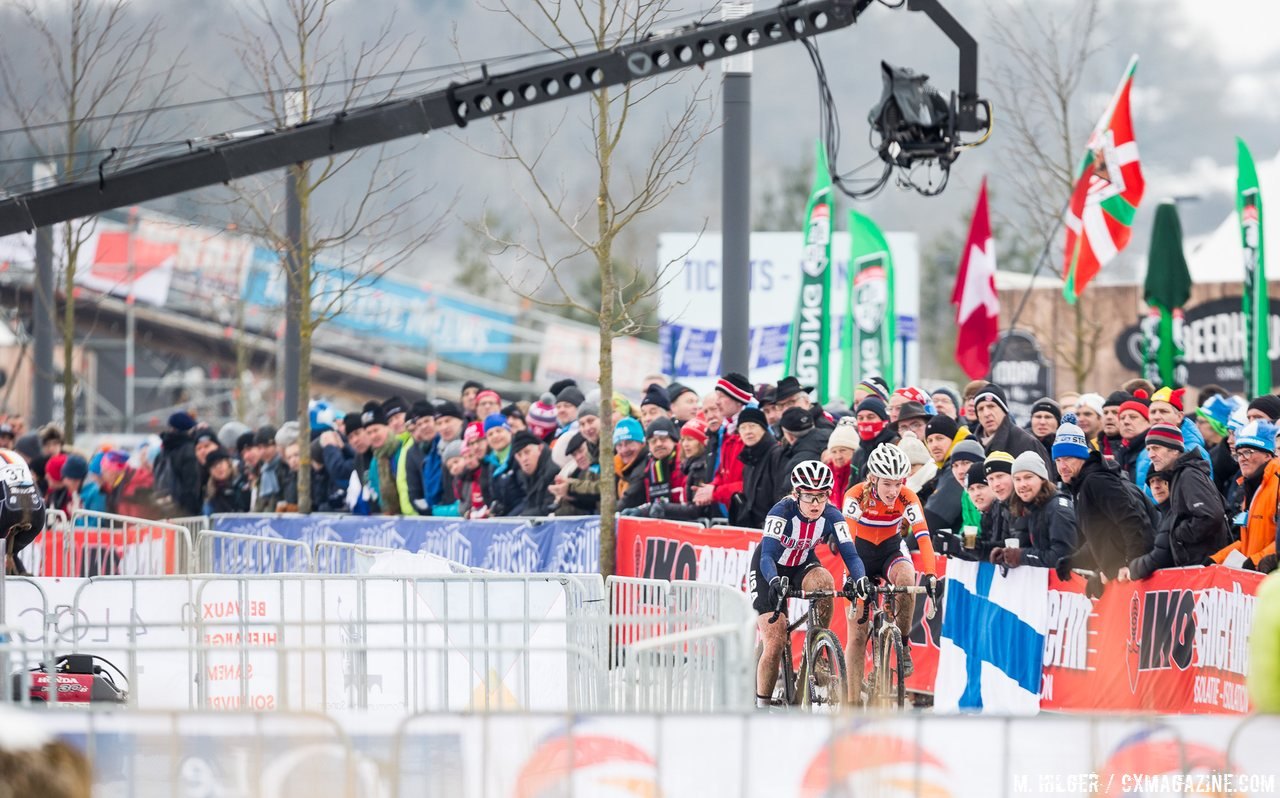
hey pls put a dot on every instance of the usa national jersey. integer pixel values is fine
(798, 535)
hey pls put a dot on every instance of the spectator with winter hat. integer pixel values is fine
(541, 417)
(1114, 520)
(655, 404)
(1167, 408)
(998, 433)
(1260, 478)
(488, 402)
(1264, 408)
(871, 416)
(1088, 411)
(1042, 516)
(1198, 525)
(1133, 419)
(684, 402)
(733, 393)
(841, 448)
(872, 385)
(1046, 415)
(630, 455)
(946, 402)
(1213, 419)
(470, 391)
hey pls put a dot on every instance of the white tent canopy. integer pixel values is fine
(1219, 257)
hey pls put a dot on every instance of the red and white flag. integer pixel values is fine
(977, 305)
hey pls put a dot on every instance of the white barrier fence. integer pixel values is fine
(460, 642)
(284, 755)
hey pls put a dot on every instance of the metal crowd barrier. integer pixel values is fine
(102, 544)
(464, 642)
(288, 755)
(231, 553)
(334, 557)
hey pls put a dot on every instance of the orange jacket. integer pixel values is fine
(1258, 538)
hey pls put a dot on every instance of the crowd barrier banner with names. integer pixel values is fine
(1177, 642)
(553, 545)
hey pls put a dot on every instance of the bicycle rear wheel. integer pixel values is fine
(825, 675)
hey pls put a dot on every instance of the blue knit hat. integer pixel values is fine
(1069, 441)
(495, 420)
(1259, 435)
(628, 429)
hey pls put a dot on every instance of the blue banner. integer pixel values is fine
(394, 312)
(508, 545)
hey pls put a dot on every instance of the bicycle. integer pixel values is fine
(885, 686)
(820, 681)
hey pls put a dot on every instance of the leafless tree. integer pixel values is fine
(636, 168)
(95, 92)
(1046, 51)
(306, 68)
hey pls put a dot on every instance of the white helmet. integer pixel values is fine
(812, 475)
(887, 461)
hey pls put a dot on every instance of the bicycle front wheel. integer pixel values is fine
(825, 681)
(891, 686)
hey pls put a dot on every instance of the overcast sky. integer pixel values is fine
(1209, 71)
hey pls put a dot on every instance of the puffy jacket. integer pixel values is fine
(1114, 527)
(762, 478)
(1258, 536)
(1047, 532)
(1194, 524)
(728, 478)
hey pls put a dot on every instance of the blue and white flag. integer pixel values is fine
(992, 639)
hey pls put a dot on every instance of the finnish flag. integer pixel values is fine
(993, 634)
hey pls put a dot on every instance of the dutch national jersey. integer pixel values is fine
(789, 538)
(875, 521)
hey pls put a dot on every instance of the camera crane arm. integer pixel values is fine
(226, 157)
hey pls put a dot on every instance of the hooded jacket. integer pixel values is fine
(1193, 525)
(1258, 536)
(1194, 442)
(1047, 533)
(1114, 527)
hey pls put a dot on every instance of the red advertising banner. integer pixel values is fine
(659, 549)
(1177, 642)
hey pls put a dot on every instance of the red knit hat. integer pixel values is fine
(694, 429)
(1166, 435)
(1138, 404)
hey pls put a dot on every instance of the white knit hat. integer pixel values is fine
(845, 435)
(917, 453)
(1030, 461)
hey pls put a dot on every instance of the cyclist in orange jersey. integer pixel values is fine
(881, 511)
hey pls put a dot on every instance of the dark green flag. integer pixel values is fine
(1167, 289)
(1257, 362)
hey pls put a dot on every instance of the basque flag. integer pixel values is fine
(993, 634)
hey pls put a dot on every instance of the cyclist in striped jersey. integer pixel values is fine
(881, 511)
(792, 531)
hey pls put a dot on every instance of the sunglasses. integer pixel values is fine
(812, 498)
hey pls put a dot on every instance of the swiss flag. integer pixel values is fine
(977, 306)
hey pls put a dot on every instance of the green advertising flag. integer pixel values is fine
(872, 316)
(1257, 363)
(1167, 289)
(810, 341)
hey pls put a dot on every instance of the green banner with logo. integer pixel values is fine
(810, 342)
(1257, 363)
(871, 325)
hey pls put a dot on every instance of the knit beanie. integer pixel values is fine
(451, 450)
(1069, 440)
(1259, 435)
(1047, 405)
(589, 409)
(75, 467)
(541, 418)
(1032, 462)
(571, 394)
(876, 386)
(941, 425)
(1166, 435)
(968, 450)
(845, 435)
(736, 387)
(947, 392)
(917, 453)
(1117, 398)
(999, 463)
(694, 429)
(876, 405)
(495, 421)
(181, 421)
(992, 393)
(1173, 396)
(656, 395)
(1217, 411)
(752, 415)
(977, 475)
(1093, 401)
(1269, 404)
(287, 434)
(1138, 403)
